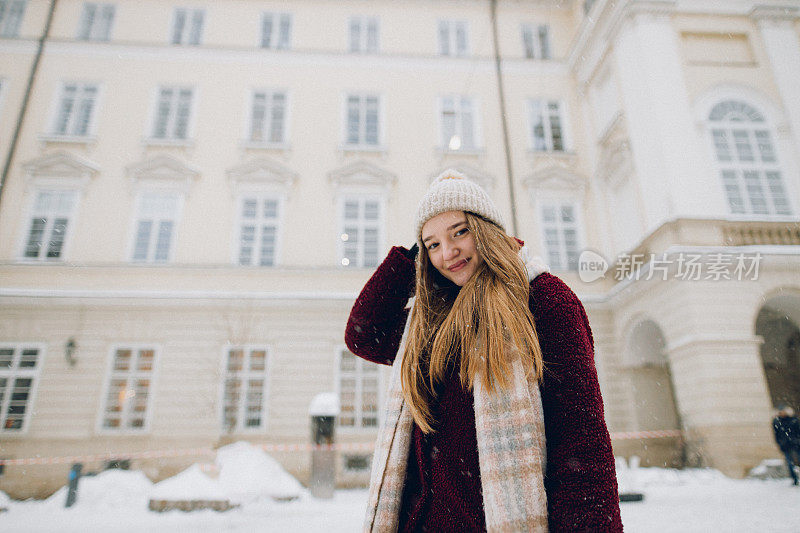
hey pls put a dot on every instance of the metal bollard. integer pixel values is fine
(323, 411)
(72, 490)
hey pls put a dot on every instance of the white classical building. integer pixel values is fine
(194, 193)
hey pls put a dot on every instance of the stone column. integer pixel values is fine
(783, 49)
(663, 138)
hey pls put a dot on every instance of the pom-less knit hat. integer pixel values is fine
(453, 191)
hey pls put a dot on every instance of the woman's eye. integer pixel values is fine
(461, 232)
(432, 246)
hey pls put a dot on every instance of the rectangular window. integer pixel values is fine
(51, 216)
(546, 125)
(173, 111)
(458, 125)
(560, 226)
(19, 372)
(187, 26)
(536, 41)
(155, 227)
(361, 220)
(358, 392)
(126, 399)
(364, 35)
(453, 39)
(96, 21)
(258, 230)
(268, 117)
(363, 120)
(245, 388)
(276, 30)
(75, 109)
(11, 13)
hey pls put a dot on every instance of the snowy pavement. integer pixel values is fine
(116, 501)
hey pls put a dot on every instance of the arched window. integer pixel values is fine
(747, 160)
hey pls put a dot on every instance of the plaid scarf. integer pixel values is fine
(511, 450)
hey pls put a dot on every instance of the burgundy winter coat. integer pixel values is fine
(443, 487)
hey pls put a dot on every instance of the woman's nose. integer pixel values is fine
(450, 251)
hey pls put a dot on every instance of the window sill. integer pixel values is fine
(561, 154)
(67, 139)
(474, 152)
(256, 145)
(178, 143)
(364, 148)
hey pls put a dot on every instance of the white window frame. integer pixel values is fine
(239, 428)
(757, 165)
(363, 45)
(548, 134)
(57, 107)
(361, 197)
(71, 215)
(152, 245)
(96, 30)
(187, 35)
(276, 38)
(250, 108)
(540, 48)
(458, 101)
(11, 375)
(452, 27)
(260, 196)
(170, 138)
(557, 203)
(9, 27)
(361, 145)
(151, 393)
(358, 426)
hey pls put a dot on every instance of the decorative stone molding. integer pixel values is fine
(479, 176)
(775, 15)
(162, 171)
(262, 173)
(616, 162)
(362, 174)
(556, 179)
(60, 168)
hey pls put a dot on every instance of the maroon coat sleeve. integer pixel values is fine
(379, 314)
(580, 480)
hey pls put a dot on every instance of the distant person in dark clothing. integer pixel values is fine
(787, 436)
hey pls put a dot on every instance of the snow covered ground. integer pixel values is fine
(116, 501)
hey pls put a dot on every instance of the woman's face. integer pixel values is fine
(451, 246)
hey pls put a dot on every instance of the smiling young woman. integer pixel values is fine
(494, 419)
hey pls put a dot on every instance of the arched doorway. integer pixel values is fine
(651, 379)
(777, 323)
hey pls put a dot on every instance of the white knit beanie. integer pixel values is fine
(453, 191)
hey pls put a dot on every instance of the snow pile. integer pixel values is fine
(324, 404)
(247, 473)
(109, 489)
(191, 484)
(5, 501)
(769, 469)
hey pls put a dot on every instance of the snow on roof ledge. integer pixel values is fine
(324, 404)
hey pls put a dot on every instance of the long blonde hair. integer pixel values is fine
(480, 327)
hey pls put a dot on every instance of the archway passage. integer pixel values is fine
(651, 379)
(777, 323)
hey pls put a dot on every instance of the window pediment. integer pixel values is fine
(262, 173)
(163, 171)
(60, 167)
(556, 179)
(362, 174)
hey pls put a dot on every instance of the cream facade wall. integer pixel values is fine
(634, 80)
